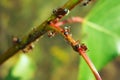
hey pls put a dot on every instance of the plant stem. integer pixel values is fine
(35, 33)
(71, 4)
(80, 50)
(71, 20)
(90, 64)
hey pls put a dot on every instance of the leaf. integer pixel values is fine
(102, 26)
(24, 69)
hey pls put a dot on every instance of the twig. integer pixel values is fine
(90, 64)
(36, 32)
(80, 48)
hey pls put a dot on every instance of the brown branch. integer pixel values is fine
(36, 32)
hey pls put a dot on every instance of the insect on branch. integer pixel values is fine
(80, 48)
(65, 32)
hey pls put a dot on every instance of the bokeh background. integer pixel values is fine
(52, 58)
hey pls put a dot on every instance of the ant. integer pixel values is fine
(60, 12)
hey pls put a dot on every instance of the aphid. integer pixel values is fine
(60, 12)
(16, 40)
(28, 48)
(66, 30)
(84, 47)
(76, 46)
(86, 2)
(51, 34)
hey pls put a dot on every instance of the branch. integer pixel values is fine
(80, 48)
(37, 31)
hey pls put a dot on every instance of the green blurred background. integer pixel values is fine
(52, 58)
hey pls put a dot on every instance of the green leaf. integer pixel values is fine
(102, 26)
(24, 69)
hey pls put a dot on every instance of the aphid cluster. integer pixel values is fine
(86, 2)
(28, 48)
(51, 34)
(84, 47)
(77, 46)
(59, 13)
